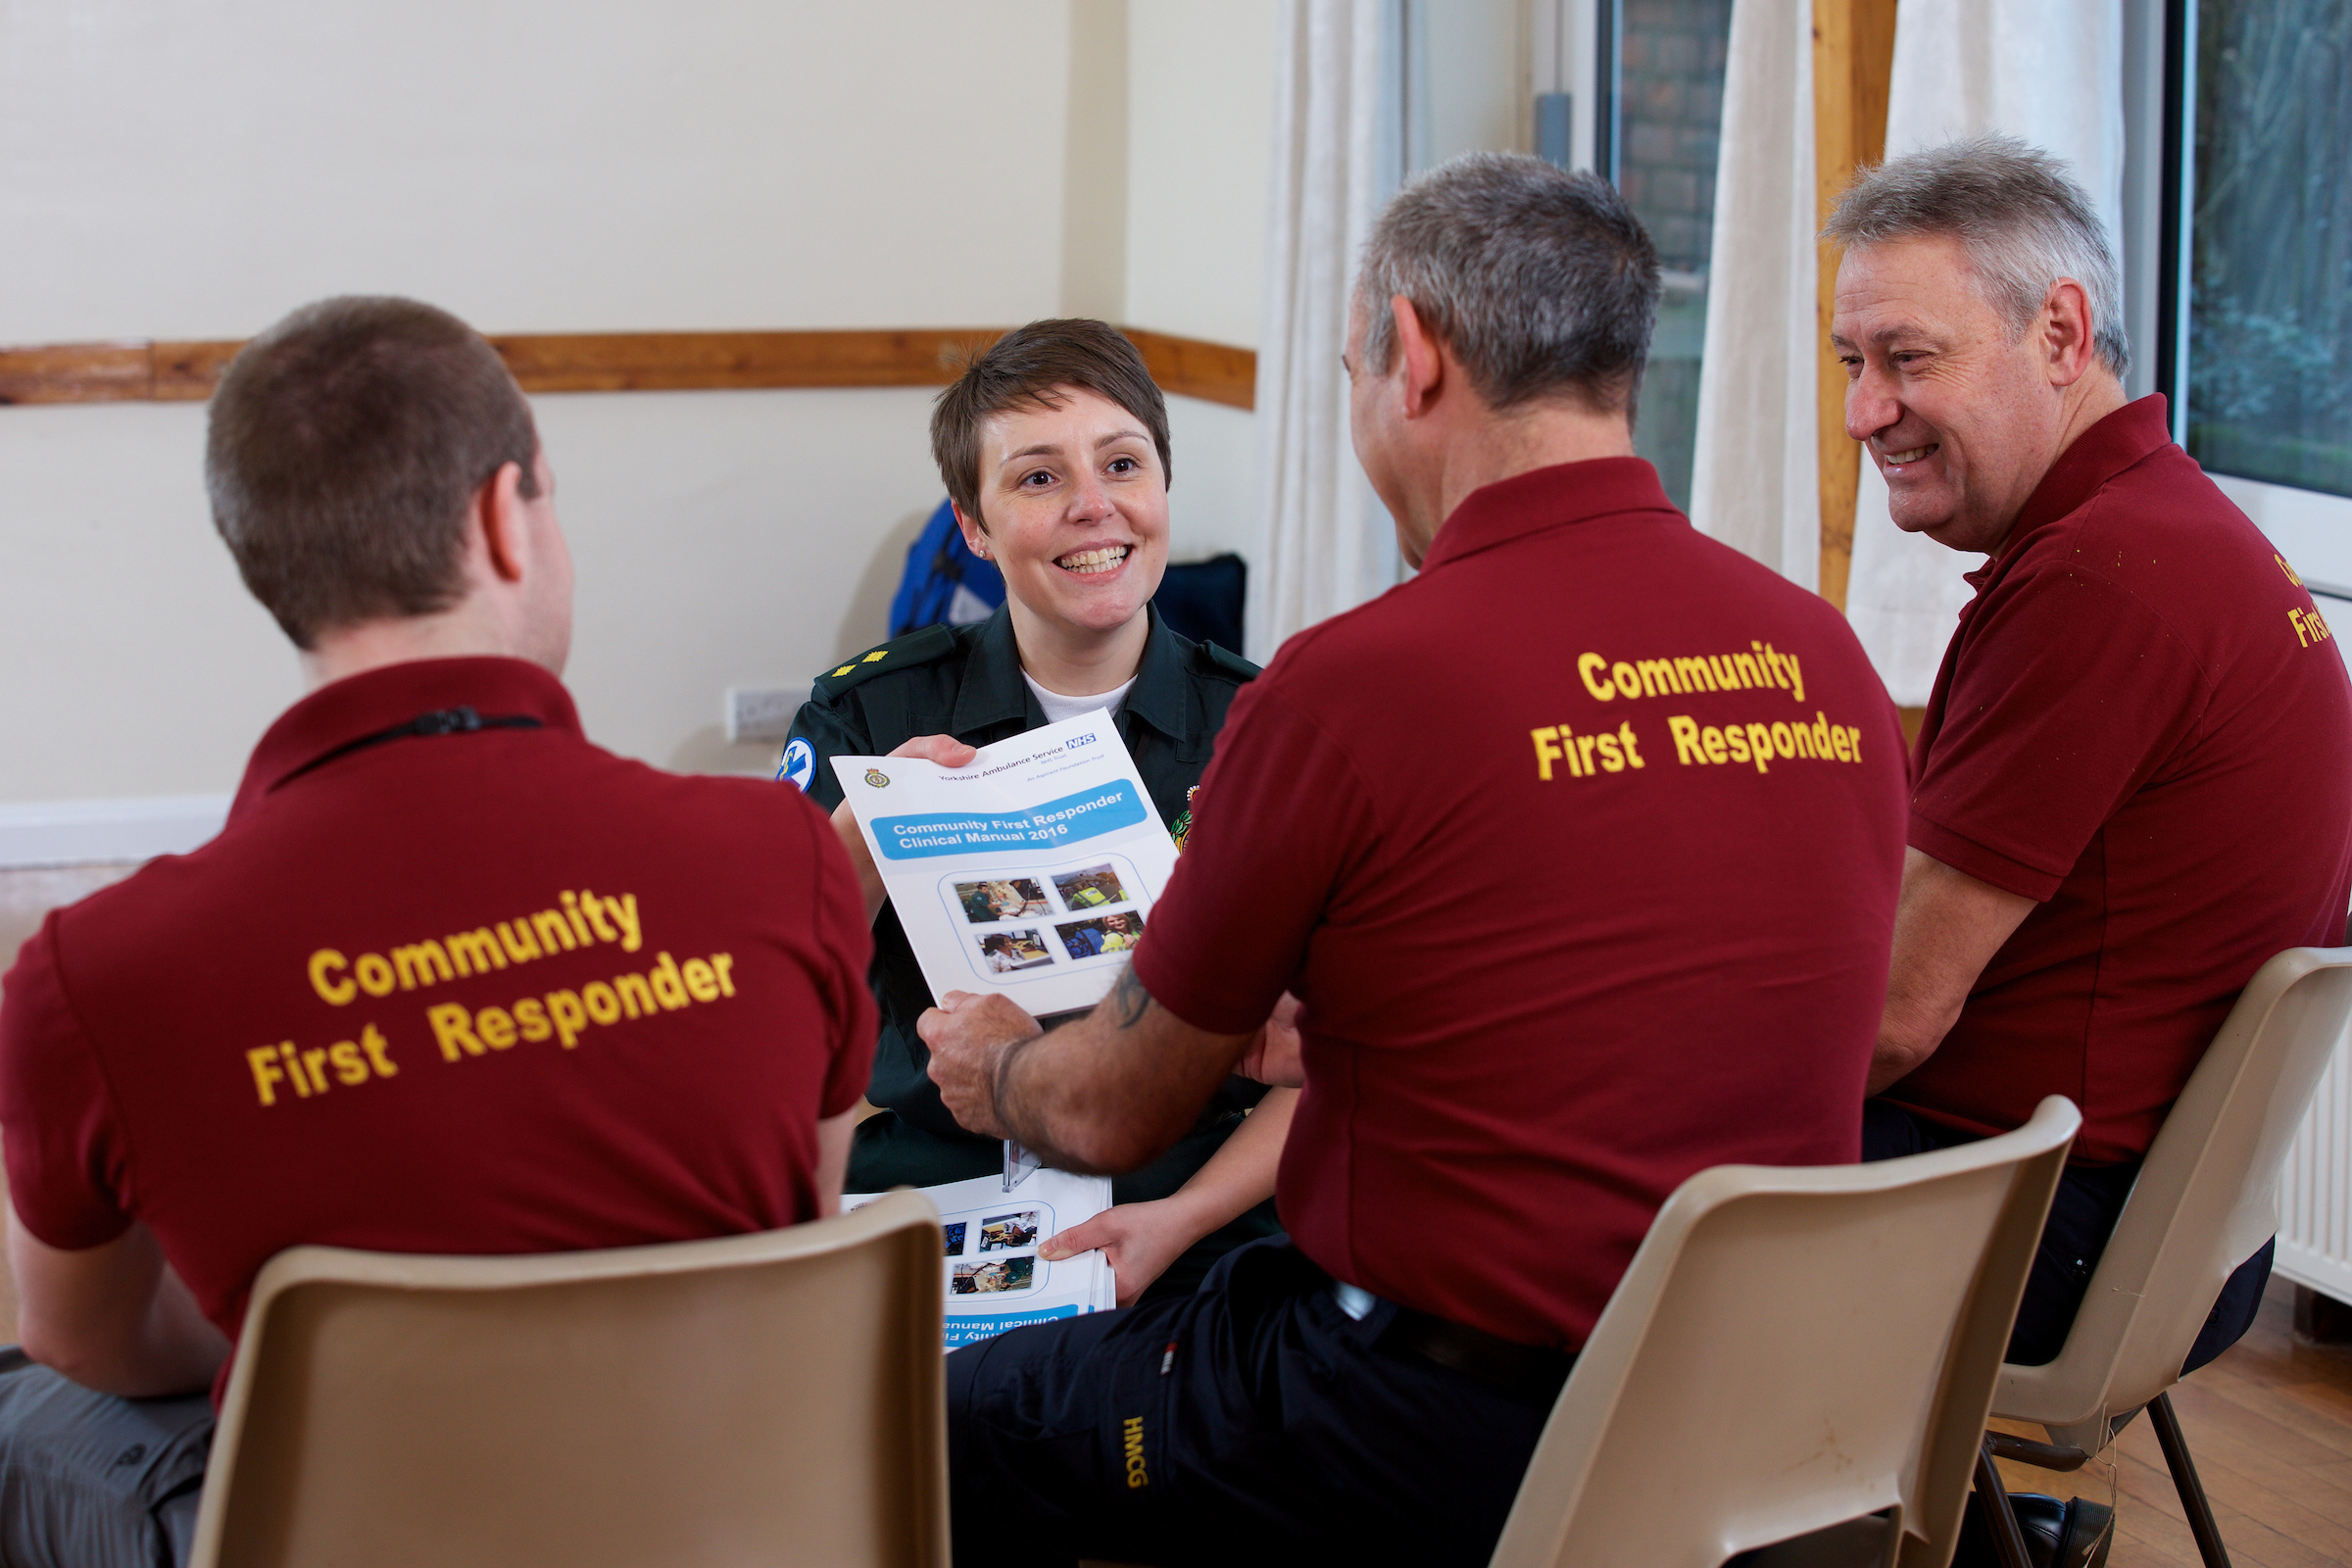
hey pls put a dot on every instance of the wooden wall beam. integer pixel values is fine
(77, 372)
(697, 361)
(187, 373)
(142, 370)
(1853, 58)
(1216, 373)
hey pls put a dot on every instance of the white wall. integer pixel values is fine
(720, 538)
(132, 660)
(1209, 502)
(193, 169)
(196, 169)
(1475, 72)
(1200, 137)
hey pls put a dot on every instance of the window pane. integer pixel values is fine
(2270, 351)
(1670, 113)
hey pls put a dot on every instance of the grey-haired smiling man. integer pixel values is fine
(2134, 779)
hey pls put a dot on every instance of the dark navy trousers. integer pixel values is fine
(1251, 1421)
(2083, 1215)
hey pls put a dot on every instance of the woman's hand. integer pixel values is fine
(1141, 1240)
(945, 750)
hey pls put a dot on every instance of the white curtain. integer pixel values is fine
(1755, 482)
(1320, 540)
(2050, 72)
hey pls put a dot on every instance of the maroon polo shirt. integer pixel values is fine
(2142, 724)
(1582, 847)
(498, 992)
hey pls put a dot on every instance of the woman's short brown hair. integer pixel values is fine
(1023, 369)
(344, 445)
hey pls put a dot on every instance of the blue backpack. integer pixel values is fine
(944, 580)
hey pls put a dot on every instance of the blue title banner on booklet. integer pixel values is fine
(1085, 815)
(971, 1329)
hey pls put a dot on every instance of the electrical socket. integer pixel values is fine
(761, 713)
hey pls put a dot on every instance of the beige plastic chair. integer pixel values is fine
(2205, 1202)
(1804, 1352)
(765, 1399)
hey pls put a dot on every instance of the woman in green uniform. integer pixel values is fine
(1054, 444)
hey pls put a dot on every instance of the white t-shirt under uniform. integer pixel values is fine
(1059, 708)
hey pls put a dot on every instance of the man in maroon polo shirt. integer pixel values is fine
(1581, 849)
(2134, 780)
(451, 980)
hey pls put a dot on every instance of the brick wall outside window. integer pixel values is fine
(1670, 113)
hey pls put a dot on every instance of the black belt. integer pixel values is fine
(1535, 1371)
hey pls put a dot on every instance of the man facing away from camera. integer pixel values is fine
(451, 980)
(2133, 783)
(1581, 849)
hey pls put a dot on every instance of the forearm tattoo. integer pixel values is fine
(1129, 998)
(1023, 1108)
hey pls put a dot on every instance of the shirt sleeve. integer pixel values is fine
(838, 912)
(2068, 695)
(828, 730)
(64, 1146)
(1282, 818)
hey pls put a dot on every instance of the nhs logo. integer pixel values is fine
(1087, 739)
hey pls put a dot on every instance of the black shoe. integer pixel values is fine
(2074, 1534)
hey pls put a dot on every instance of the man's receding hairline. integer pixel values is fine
(1972, 275)
(1888, 334)
(2021, 219)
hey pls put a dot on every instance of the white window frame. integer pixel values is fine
(2312, 529)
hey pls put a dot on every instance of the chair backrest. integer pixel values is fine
(1790, 1350)
(2205, 1202)
(771, 1398)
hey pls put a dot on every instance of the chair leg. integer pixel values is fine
(2185, 1480)
(2008, 1541)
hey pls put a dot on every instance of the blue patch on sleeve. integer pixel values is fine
(799, 764)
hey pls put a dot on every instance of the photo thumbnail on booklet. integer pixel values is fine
(1029, 871)
(994, 1225)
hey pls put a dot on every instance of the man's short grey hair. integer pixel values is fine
(1544, 284)
(2017, 210)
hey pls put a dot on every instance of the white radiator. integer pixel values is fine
(2314, 1190)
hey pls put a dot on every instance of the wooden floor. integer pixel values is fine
(2269, 1423)
(2269, 1426)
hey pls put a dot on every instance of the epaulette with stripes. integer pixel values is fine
(915, 648)
(1216, 661)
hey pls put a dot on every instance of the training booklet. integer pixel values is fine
(994, 1278)
(1029, 871)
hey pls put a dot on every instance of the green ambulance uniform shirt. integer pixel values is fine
(965, 681)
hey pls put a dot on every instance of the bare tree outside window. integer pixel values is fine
(2270, 352)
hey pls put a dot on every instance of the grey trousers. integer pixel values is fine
(91, 1481)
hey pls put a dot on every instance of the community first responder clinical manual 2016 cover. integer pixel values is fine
(1029, 871)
